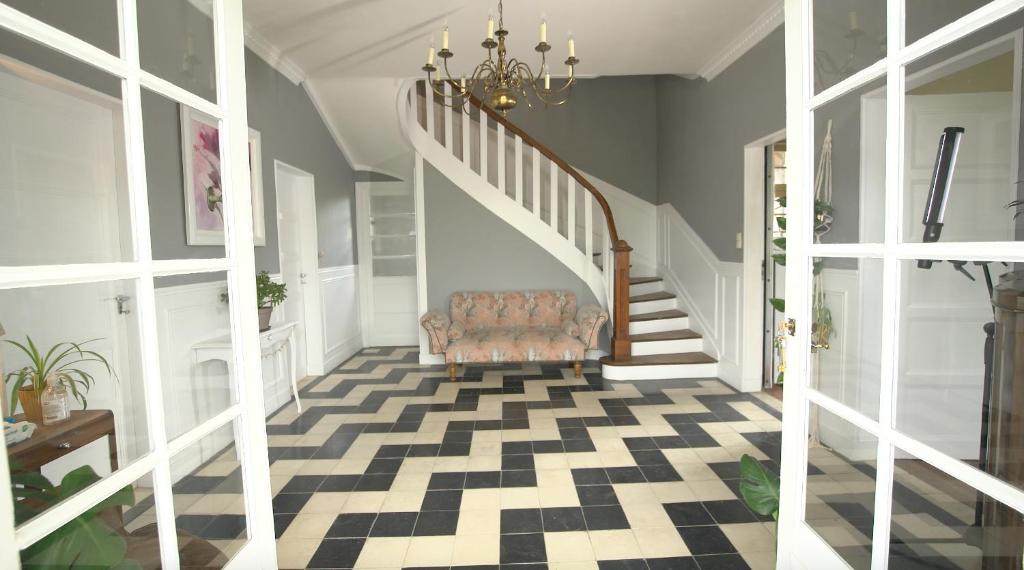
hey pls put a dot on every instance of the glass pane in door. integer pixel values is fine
(940, 522)
(962, 129)
(94, 21)
(840, 506)
(849, 167)
(926, 16)
(846, 331)
(176, 43)
(63, 178)
(959, 373)
(849, 35)
(196, 350)
(392, 229)
(93, 421)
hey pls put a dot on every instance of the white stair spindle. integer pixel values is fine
(483, 145)
(535, 164)
(588, 228)
(466, 138)
(519, 170)
(553, 191)
(570, 212)
(430, 108)
(448, 142)
(501, 157)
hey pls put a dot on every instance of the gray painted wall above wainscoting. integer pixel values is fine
(471, 249)
(290, 127)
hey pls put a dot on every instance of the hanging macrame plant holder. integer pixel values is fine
(821, 317)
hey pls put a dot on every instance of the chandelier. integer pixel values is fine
(503, 83)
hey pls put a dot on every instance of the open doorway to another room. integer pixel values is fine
(774, 265)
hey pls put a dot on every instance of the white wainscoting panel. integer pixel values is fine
(339, 291)
(709, 289)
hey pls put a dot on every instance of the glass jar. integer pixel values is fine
(55, 403)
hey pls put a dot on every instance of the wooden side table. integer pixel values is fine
(52, 442)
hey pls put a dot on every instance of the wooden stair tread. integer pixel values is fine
(663, 359)
(681, 334)
(640, 280)
(658, 315)
(656, 296)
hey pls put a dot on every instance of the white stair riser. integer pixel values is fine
(653, 306)
(659, 371)
(645, 288)
(668, 346)
(660, 325)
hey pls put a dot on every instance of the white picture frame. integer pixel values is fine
(205, 227)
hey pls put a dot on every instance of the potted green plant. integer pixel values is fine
(59, 367)
(268, 296)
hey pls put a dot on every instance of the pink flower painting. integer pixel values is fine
(206, 186)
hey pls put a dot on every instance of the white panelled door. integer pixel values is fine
(918, 464)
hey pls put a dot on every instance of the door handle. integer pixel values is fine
(122, 304)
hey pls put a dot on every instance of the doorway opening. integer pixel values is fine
(774, 266)
(300, 265)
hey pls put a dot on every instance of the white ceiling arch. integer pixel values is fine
(349, 52)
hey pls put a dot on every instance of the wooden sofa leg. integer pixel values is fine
(451, 371)
(578, 368)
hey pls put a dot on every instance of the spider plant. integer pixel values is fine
(61, 364)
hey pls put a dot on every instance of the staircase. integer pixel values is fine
(547, 200)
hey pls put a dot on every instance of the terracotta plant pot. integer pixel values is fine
(264, 313)
(29, 399)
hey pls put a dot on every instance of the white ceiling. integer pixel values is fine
(349, 51)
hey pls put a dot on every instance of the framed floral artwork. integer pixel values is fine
(200, 158)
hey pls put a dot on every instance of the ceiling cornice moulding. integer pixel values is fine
(759, 30)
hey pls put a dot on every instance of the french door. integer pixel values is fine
(163, 462)
(903, 441)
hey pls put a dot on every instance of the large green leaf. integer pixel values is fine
(781, 220)
(780, 258)
(780, 243)
(778, 304)
(85, 542)
(759, 487)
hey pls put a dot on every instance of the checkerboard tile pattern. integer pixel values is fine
(522, 467)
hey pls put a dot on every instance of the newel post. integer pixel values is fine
(621, 345)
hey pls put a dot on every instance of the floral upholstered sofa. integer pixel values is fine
(514, 326)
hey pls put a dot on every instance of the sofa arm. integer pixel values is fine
(571, 327)
(591, 319)
(437, 324)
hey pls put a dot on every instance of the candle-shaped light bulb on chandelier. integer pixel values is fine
(501, 81)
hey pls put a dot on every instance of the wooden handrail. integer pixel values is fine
(621, 344)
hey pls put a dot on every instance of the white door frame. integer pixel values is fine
(247, 415)
(364, 250)
(753, 257)
(799, 545)
(312, 298)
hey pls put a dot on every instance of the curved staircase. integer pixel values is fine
(535, 191)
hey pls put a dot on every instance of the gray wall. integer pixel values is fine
(702, 129)
(469, 248)
(608, 129)
(290, 127)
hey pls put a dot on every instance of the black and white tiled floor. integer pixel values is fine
(392, 466)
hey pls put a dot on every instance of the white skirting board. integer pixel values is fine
(188, 314)
(709, 289)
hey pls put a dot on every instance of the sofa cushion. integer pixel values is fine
(515, 344)
(490, 309)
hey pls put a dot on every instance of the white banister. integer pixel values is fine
(553, 191)
(519, 170)
(448, 143)
(483, 145)
(535, 164)
(570, 212)
(501, 157)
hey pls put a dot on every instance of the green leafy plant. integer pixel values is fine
(61, 364)
(84, 542)
(759, 487)
(268, 293)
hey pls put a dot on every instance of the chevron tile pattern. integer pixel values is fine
(524, 467)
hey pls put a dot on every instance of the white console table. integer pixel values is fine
(273, 342)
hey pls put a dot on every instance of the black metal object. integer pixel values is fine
(938, 191)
